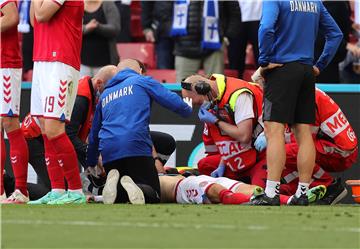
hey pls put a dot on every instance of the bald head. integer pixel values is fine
(106, 73)
(132, 64)
(102, 76)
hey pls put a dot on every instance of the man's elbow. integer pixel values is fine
(245, 138)
(265, 30)
(15, 20)
(339, 37)
(41, 18)
(11, 21)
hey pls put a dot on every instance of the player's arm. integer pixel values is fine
(333, 37)
(44, 10)
(78, 118)
(244, 115)
(10, 16)
(242, 132)
(32, 14)
(166, 98)
(92, 154)
(158, 164)
(270, 12)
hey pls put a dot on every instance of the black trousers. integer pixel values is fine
(143, 172)
(237, 48)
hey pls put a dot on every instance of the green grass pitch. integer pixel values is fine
(179, 226)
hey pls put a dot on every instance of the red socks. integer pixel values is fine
(67, 159)
(284, 199)
(19, 156)
(56, 173)
(228, 197)
(2, 163)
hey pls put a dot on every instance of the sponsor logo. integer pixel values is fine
(335, 124)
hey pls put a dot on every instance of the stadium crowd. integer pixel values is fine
(91, 105)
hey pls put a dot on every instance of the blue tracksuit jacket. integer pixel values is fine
(120, 126)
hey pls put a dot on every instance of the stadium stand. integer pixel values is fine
(144, 52)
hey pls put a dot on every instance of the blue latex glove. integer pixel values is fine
(219, 172)
(260, 142)
(206, 116)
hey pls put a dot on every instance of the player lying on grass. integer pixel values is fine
(193, 190)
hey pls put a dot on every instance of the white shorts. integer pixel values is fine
(230, 184)
(192, 190)
(10, 91)
(54, 89)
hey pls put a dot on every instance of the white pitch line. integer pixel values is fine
(171, 225)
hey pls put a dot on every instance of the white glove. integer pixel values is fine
(188, 101)
(260, 143)
(257, 77)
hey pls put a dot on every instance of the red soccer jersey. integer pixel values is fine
(10, 47)
(60, 38)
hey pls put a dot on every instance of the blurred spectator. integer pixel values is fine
(25, 28)
(156, 20)
(247, 33)
(350, 68)
(101, 26)
(200, 27)
(341, 12)
(125, 16)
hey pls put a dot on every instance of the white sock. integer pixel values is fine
(98, 198)
(58, 190)
(272, 188)
(79, 191)
(302, 189)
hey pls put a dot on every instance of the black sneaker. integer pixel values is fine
(334, 193)
(299, 201)
(264, 200)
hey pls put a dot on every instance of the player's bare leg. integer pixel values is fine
(275, 156)
(305, 158)
(246, 189)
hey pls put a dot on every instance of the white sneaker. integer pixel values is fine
(3, 197)
(110, 188)
(136, 196)
(16, 198)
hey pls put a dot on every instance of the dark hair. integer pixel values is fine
(141, 65)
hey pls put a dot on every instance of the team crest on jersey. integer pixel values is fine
(71, 88)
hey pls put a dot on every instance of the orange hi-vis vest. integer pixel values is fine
(237, 156)
(332, 122)
(85, 91)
